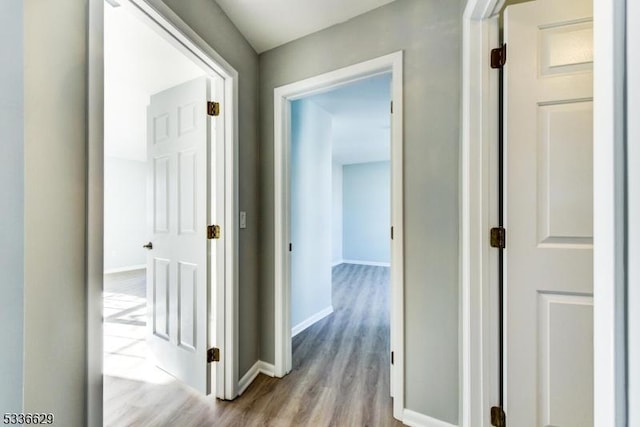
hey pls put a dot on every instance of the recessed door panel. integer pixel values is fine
(187, 189)
(187, 308)
(566, 359)
(565, 173)
(161, 298)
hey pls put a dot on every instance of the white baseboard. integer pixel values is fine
(311, 320)
(125, 269)
(415, 419)
(361, 262)
(260, 367)
(340, 261)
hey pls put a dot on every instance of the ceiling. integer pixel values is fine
(270, 23)
(138, 63)
(360, 119)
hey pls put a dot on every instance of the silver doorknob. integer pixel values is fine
(148, 246)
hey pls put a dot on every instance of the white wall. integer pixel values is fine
(336, 213)
(12, 211)
(311, 194)
(125, 207)
(367, 212)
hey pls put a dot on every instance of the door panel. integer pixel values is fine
(549, 213)
(177, 150)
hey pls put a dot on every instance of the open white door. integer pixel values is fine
(549, 213)
(179, 207)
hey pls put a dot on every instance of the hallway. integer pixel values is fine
(340, 373)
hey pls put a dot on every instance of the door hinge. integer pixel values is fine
(499, 56)
(391, 232)
(290, 247)
(213, 355)
(498, 417)
(498, 237)
(213, 108)
(391, 107)
(392, 358)
(213, 232)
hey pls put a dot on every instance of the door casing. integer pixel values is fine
(283, 96)
(163, 20)
(479, 322)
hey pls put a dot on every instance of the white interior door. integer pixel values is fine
(549, 213)
(178, 274)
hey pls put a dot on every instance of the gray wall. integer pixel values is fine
(310, 210)
(55, 130)
(12, 211)
(209, 21)
(429, 32)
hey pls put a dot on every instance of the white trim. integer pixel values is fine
(416, 419)
(478, 303)
(608, 218)
(336, 263)
(260, 367)
(361, 262)
(282, 97)
(309, 321)
(125, 269)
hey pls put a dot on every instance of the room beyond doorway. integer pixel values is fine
(285, 97)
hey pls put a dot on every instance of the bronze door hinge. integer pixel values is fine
(498, 417)
(213, 108)
(213, 232)
(213, 355)
(499, 56)
(498, 237)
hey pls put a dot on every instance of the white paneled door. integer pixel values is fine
(178, 272)
(549, 213)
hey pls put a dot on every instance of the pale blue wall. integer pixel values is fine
(366, 212)
(336, 213)
(310, 210)
(12, 211)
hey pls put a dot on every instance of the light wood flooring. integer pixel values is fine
(340, 373)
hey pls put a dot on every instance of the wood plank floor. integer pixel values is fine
(340, 373)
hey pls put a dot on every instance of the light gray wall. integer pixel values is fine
(12, 211)
(55, 79)
(310, 210)
(429, 32)
(366, 211)
(209, 21)
(336, 213)
(633, 206)
(125, 213)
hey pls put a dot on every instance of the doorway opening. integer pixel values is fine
(169, 172)
(306, 247)
(340, 259)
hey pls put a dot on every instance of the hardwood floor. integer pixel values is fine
(340, 373)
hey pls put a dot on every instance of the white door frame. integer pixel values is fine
(166, 23)
(283, 96)
(479, 370)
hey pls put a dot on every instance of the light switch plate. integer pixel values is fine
(243, 219)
